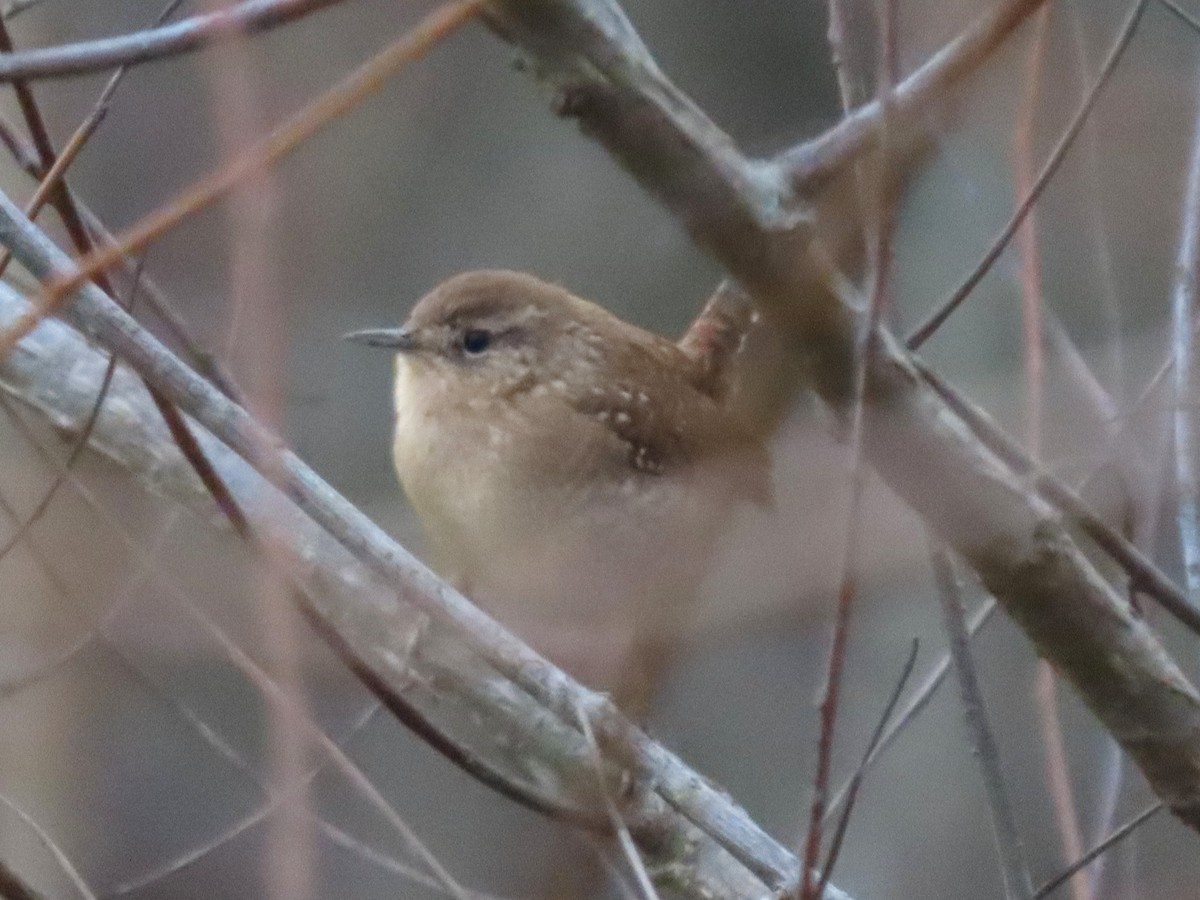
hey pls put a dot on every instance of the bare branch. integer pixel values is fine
(1145, 575)
(282, 141)
(860, 773)
(942, 311)
(52, 180)
(1017, 883)
(645, 885)
(915, 706)
(249, 17)
(810, 164)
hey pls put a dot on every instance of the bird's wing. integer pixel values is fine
(666, 423)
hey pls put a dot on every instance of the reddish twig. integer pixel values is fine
(81, 239)
(881, 258)
(915, 706)
(154, 298)
(51, 185)
(77, 448)
(281, 142)
(1057, 770)
(856, 780)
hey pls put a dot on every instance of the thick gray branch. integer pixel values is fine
(601, 75)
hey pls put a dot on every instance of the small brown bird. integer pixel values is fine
(571, 471)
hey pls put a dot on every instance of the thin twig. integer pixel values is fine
(1118, 835)
(942, 311)
(856, 780)
(275, 798)
(881, 258)
(51, 183)
(1098, 225)
(851, 92)
(628, 848)
(155, 298)
(1146, 576)
(44, 838)
(77, 447)
(812, 163)
(17, 683)
(1080, 374)
(63, 203)
(1058, 774)
(1182, 14)
(1183, 314)
(249, 17)
(80, 443)
(915, 706)
(284, 140)
(1033, 343)
(360, 849)
(1018, 885)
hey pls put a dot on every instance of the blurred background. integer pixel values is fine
(130, 738)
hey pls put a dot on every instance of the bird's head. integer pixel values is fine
(492, 332)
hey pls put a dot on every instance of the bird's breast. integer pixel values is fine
(530, 500)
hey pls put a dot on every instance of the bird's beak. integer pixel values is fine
(390, 338)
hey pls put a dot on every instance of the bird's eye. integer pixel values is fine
(476, 341)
